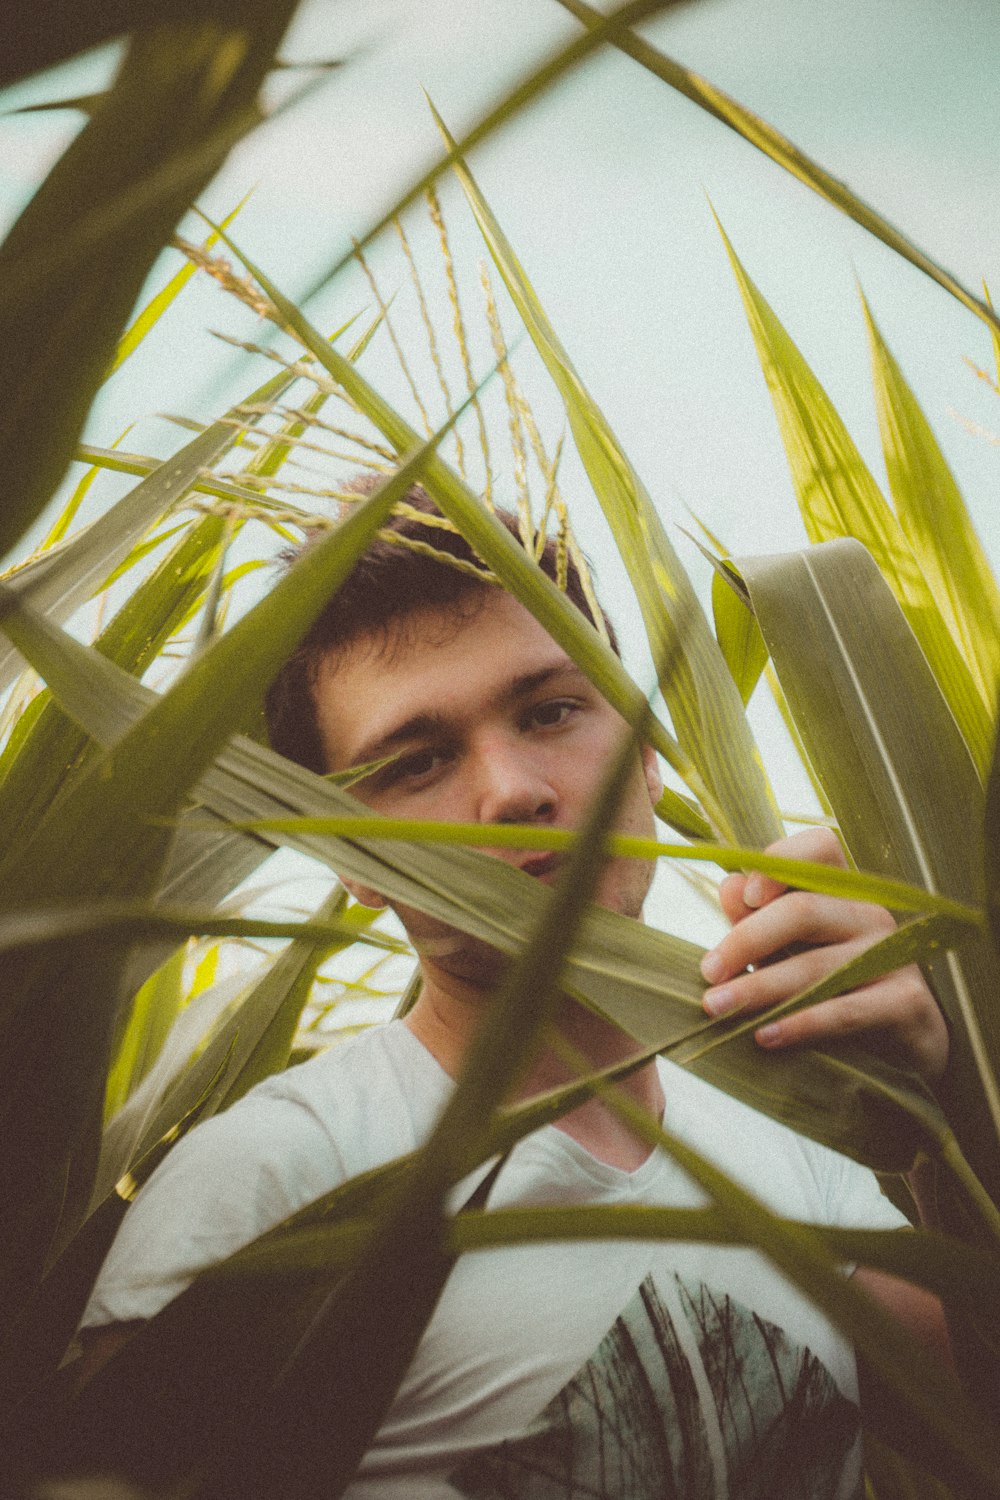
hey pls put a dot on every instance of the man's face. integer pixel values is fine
(490, 722)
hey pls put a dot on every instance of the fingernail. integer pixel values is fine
(768, 1035)
(712, 966)
(717, 1002)
(753, 891)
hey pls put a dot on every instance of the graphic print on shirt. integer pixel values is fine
(630, 1426)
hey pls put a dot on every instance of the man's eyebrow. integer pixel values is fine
(523, 686)
(426, 726)
(417, 727)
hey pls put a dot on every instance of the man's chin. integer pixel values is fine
(462, 957)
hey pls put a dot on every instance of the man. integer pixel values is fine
(630, 1370)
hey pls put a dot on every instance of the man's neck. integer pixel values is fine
(448, 1015)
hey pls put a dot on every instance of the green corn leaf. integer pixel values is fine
(61, 34)
(148, 923)
(63, 578)
(151, 314)
(736, 629)
(181, 1079)
(141, 465)
(933, 515)
(185, 93)
(69, 510)
(838, 497)
(154, 1010)
(994, 331)
(963, 1274)
(781, 704)
(899, 776)
(705, 708)
(35, 1341)
(493, 543)
(97, 838)
(262, 1049)
(991, 849)
(87, 104)
(241, 1033)
(56, 746)
(143, 550)
(781, 150)
(807, 875)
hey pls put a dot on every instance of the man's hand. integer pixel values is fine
(768, 917)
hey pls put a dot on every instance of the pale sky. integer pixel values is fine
(603, 188)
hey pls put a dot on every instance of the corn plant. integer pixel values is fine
(135, 814)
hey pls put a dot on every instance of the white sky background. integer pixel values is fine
(602, 189)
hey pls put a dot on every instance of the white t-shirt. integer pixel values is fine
(630, 1370)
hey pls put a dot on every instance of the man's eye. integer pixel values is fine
(551, 714)
(420, 764)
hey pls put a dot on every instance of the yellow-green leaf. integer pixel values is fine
(705, 708)
(838, 498)
(935, 519)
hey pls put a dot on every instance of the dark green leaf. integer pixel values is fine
(185, 93)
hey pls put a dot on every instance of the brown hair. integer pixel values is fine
(391, 582)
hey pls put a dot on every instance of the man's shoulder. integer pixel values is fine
(377, 1088)
(292, 1138)
(302, 1131)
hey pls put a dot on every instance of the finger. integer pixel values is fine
(798, 917)
(899, 1004)
(731, 897)
(820, 845)
(773, 983)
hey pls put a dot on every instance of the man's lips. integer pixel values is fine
(541, 865)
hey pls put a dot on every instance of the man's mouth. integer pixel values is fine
(541, 865)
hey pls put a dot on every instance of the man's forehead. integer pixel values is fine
(375, 690)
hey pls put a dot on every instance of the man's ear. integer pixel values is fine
(366, 894)
(651, 770)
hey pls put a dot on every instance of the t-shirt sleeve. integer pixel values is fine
(854, 1199)
(851, 1196)
(230, 1180)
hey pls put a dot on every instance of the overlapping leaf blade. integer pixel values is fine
(899, 776)
(244, 1033)
(934, 517)
(705, 708)
(186, 91)
(60, 580)
(838, 497)
(136, 635)
(97, 838)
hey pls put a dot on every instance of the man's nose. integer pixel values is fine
(513, 784)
